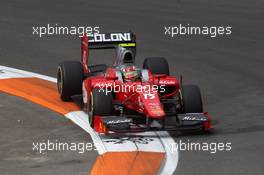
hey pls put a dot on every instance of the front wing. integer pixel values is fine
(133, 123)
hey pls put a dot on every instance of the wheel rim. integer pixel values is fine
(59, 80)
(91, 110)
(181, 99)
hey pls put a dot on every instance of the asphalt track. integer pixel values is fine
(228, 70)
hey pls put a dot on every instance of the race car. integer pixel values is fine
(126, 98)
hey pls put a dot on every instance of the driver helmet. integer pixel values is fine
(129, 73)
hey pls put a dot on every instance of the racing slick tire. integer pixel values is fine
(157, 65)
(101, 104)
(69, 79)
(191, 99)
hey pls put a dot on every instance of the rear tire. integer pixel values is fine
(69, 79)
(157, 65)
(100, 104)
(191, 99)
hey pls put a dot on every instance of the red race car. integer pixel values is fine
(126, 98)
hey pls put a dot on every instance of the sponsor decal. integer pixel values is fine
(167, 82)
(112, 37)
(102, 84)
(153, 104)
(149, 96)
(103, 87)
(118, 121)
(158, 111)
(154, 107)
(193, 118)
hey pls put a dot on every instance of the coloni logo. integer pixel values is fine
(112, 37)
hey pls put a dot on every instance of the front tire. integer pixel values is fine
(100, 104)
(191, 99)
(69, 79)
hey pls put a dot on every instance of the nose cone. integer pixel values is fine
(152, 105)
(156, 112)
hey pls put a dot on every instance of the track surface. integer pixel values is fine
(229, 71)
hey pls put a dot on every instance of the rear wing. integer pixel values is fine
(105, 41)
(111, 40)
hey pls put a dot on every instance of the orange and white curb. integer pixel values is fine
(141, 153)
